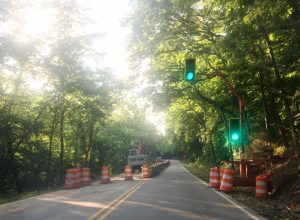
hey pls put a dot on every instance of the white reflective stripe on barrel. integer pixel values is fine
(214, 174)
(261, 190)
(226, 184)
(225, 176)
(261, 183)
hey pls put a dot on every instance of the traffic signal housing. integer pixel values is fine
(190, 68)
(234, 131)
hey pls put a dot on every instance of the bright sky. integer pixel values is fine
(109, 15)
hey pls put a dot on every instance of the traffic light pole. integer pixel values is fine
(242, 104)
(190, 69)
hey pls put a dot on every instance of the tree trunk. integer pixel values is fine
(273, 105)
(17, 179)
(213, 154)
(283, 94)
(280, 127)
(62, 147)
(91, 134)
(76, 150)
(53, 126)
(265, 104)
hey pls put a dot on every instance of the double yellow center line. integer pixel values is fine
(110, 207)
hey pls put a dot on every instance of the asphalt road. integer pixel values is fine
(174, 194)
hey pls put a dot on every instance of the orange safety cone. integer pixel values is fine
(227, 181)
(214, 177)
(261, 186)
(145, 171)
(105, 177)
(85, 176)
(128, 172)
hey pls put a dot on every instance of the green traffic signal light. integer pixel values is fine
(235, 136)
(234, 130)
(190, 68)
(190, 76)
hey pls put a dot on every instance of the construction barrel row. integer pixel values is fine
(223, 179)
(77, 177)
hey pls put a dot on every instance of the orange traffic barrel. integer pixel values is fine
(73, 179)
(105, 177)
(128, 172)
(78, 177)
(227, 181)
(261, 186)
(85, 176)
(145, 171)
(214, 177)
(221, 174)
(150, 171)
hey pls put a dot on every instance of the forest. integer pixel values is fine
(85, 117)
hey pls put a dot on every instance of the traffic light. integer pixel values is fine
(234, 130)
(190, 67)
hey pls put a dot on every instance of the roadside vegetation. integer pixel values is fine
(199, 170)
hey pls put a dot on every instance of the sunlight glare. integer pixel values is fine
(36, 23)
(35, 84)
(157, 119)
(108, 16)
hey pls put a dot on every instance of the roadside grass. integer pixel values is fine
(12, 196)
(199, 170)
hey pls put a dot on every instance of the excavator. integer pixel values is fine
(137, 157)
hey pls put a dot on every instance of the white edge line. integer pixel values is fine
(228, 199)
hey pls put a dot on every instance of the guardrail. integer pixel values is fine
(159, 167)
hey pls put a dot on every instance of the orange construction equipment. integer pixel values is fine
(85, 176)
(246, 171)
(73, 179)
(128, 172)
(214, 178)
(105, 178)
(227, 181)
(261, 186)
(145, 171)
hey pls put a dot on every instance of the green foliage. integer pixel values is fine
(199, 169)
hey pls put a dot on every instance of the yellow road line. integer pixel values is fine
(115, 206)
(110, 207)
